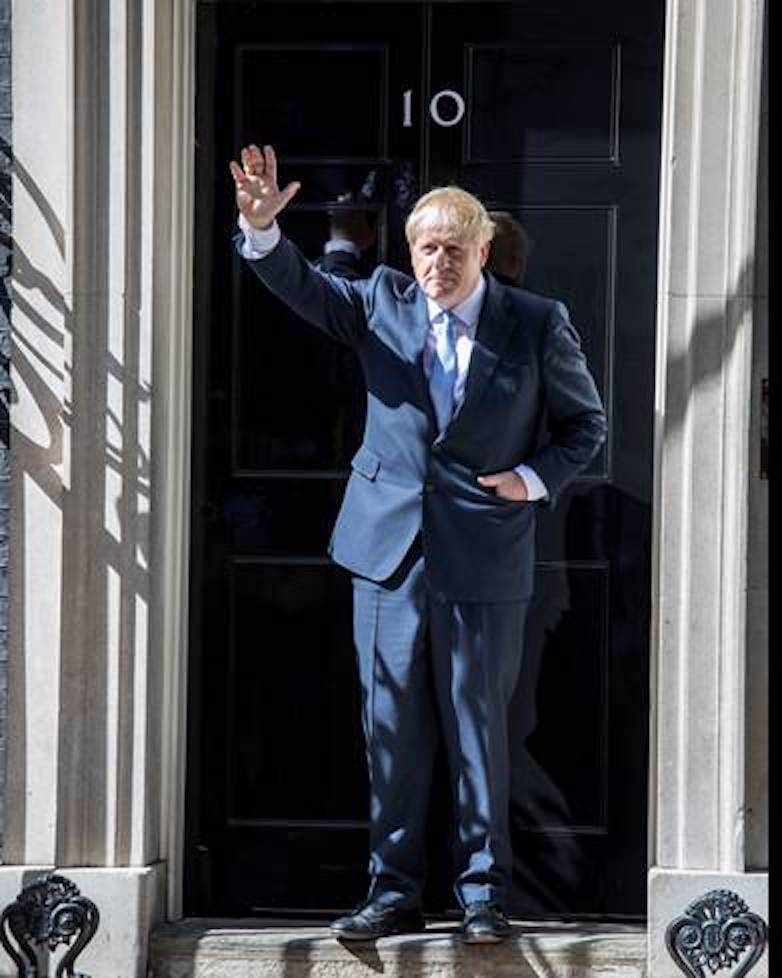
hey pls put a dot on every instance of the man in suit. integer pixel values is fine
(437, 524)
(350, 234)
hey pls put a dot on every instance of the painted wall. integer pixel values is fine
(5, 349)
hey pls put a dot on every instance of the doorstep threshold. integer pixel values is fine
(290, 948)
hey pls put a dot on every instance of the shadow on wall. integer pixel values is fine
(5, 460)
(710, 345)
(80, 406)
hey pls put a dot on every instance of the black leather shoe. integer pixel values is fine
(484, 923)
(371, 921)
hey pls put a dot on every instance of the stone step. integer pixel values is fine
(201, 948)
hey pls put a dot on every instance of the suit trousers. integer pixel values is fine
(459, 685)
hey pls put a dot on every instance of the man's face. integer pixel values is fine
(446, 266)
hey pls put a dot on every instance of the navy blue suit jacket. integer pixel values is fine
(405, 477)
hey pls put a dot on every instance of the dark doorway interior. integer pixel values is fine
(561, 126)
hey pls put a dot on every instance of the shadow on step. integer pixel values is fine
(288, 949)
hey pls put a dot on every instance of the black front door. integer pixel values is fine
(550, 111)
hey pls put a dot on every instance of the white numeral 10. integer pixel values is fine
(434, 108)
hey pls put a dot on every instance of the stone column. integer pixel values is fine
(757, 695)
(103, 140)
(705, 331)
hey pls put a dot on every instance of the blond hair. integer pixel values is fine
(453, 210)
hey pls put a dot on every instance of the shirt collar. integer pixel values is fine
(468, 310)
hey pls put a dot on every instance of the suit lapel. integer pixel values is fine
(495, 325)
(415, 328)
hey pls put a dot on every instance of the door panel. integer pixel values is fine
(576, 84)
(561, 128)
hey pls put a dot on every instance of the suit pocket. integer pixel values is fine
(365, 462)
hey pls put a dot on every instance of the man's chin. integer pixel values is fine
(440, 293)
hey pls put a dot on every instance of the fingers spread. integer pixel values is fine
(257, 176)
(238, 173)
(270, 159)
(256, 159)
(290, 191)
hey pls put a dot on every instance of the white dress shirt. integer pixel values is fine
(258, 243)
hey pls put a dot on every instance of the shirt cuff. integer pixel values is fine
(536, 488)
(341, 244)
(257, 242)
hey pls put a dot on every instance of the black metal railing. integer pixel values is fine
(48, 913)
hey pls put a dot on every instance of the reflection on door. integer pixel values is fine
(551, 112)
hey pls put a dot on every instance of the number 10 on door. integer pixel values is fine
(446, 108)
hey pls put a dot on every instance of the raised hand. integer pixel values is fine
(257, 195)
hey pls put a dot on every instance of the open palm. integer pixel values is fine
(257, 195)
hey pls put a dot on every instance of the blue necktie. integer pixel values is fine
(443, 376)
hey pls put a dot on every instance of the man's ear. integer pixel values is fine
(484, 252)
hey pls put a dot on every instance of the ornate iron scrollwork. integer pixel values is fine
(716, 932)
(47, 913)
